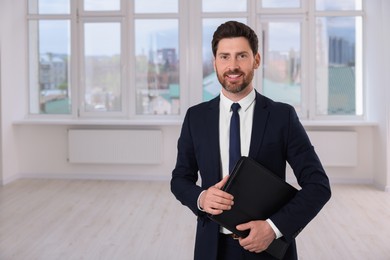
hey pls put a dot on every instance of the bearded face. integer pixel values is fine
(235, 81)
(235, 64)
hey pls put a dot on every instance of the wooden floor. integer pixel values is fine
(80, 219)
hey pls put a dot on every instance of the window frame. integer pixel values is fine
(304, 56)
(189, 18)
(81, 18)
(82, 112)
(54, 17)
(285, 11)
(184, 80)
(312, 112)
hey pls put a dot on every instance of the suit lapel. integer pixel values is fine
(212, 124)
(260, 118)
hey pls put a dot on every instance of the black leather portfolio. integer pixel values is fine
(258, 193)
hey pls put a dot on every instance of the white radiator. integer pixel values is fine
(115, 146)
(335, 148)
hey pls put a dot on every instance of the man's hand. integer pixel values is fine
(260, 236)
(214, 200)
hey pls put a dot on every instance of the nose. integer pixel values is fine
(233, 64)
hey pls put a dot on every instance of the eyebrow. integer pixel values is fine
(238, 53)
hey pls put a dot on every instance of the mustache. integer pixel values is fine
(233, 72)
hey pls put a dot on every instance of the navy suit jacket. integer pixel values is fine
(277, 137)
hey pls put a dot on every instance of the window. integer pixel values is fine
(93, 47)
(224, 6)
(281, 54)
(99, 5)
(157, 66)
(102, 67)
(155, 6)
(339, 58)
(281, 4)
(49, 7)
(129, 59)
(49, 57)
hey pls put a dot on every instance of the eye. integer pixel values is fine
(242, 56)
(224, 57)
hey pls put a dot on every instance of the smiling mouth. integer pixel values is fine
(233, 76)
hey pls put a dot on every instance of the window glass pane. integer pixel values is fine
(49, 63)
(211, 85)
(281, 47)
(332, 5)
(102, 5)
(157, 67)
(224, 5)
(281, 3)
(102, 59)
(156, 6)
(49, 7)
(339, 66)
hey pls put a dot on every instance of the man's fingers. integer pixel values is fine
(220, 184)
(217, 208)
(260, 237)
(214, 211)
(220, 194)
(221, 203)
(214, 201)
(244, 226)
(219, 199)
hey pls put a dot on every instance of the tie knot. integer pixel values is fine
(235, 107)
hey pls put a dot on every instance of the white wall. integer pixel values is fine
(386, 76)
(41, 150)
(1, 146)
(377, 83)
(13, 66)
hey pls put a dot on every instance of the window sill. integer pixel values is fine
(337, 123)
(99, 122)
(172, 122)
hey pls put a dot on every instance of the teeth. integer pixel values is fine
(233, 76)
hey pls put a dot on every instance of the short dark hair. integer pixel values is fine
(233, 29)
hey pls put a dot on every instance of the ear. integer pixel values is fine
(257, 60)
(215, 68)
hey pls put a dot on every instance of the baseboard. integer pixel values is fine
(120, 177)
(385, 188)
(341, 181)
(351, 181)
(6, 181)
(139, 177)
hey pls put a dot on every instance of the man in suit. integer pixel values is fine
(270, 133)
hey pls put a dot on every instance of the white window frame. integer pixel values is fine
(184, 41)
(54, 17)
(83, 17)
(82, 86)
(304, 55)
(189, 18)
(313, 14)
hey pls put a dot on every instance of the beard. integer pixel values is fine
(235, 87)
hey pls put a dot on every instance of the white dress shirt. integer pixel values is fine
(246, 120)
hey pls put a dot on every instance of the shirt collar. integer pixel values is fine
(245, 102)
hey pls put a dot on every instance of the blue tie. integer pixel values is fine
(234, 145)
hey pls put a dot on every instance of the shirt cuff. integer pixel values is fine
(275, 229)
(198, 202)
